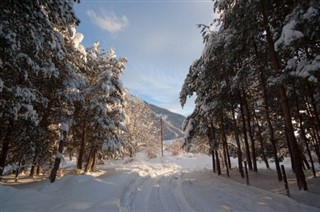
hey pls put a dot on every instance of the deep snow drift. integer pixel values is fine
(170, 183)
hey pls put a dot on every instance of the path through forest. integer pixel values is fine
(175, 183)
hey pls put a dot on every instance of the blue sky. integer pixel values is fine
(159, 38)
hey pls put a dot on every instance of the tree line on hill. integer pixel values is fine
(257, 81)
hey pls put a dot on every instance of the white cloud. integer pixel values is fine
(108, 21)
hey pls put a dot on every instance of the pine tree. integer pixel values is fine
(259, 46)
(32, 51)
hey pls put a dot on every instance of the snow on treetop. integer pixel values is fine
(111, 54)
(304, 69)
(72, 31)
(311, 12)
(77, 39)
(64, 127)
(288, 35)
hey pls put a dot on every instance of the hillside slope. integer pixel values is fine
(172, 122)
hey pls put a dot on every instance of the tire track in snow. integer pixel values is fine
(156, 187)
(130, 192)
(172, 195)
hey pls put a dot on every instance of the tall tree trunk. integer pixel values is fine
(290, 150)
(90, 159)
(217, 160)
(236, 134)
(315, 143)
(271, 132)
(314, 135)
(94, 158)
(225, 145)
(313, 106)
(245, 136)
(82, 145)
(311, 159)
(6, 146)
(253, 146)
(33, 167)
(296, 156)
(32, 170)
(226, 159)
(211, 137)
(304, 159)
(259, 128)
(38, 170)
(57, 160)
(263, 153)
(303, 134)
(88, 164)
(228, 154)
(4, 153)
(213, 161)
(315, 130)
(18, 169)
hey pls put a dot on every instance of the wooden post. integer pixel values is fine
(286, 185)
(161, 136)
(246, 170)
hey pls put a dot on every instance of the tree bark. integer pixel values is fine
(38, 170)
(244, 127)
(253, 146)
(272, 139)
(33, 167)
(6, 146)
(255, 116)
(90, 159)
(82, 145)
(263, 153)
(211, 137)
(228, 155)
(303, 134)
(314, 106)
(239, 152)
(213, 161)
(57, 161)
(94, 160)
(315, 137)
(32, 170)
(217, 160)
(296, 156)
(225, 145)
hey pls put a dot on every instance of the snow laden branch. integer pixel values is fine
(262, 55)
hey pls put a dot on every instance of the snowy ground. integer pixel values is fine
(170, 183)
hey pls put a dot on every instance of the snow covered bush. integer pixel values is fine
(176, 147)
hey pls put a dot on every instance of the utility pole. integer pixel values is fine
(161, 136)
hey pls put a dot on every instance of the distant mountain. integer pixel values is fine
(172, 122)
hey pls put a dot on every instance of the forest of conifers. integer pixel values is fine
(56, 95)
(257, 81)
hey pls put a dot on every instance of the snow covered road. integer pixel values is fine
(167, 184)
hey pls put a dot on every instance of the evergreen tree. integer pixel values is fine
(32, 65)
(259, 46)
